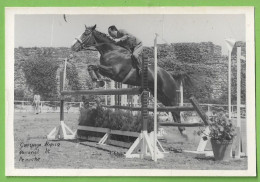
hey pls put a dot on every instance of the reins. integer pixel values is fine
(84, 47)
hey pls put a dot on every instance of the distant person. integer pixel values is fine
(85, 102)
(36, 102)
(97, 103)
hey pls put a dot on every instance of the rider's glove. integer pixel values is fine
(118, 41)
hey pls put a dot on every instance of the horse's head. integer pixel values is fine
(85, 40)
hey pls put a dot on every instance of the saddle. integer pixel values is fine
(137, 66)
(136, 63)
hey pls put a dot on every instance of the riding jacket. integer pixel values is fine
(127, 40)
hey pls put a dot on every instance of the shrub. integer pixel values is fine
(18, 94)
(115, 120)
(221, 128)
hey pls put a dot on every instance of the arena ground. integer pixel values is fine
(32, 150)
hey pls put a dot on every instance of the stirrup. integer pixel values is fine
(140, 71)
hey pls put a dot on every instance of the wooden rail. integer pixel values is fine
(181, 124)
(123, 91)
(108, 131)
(151, 109)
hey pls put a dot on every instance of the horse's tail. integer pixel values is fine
(187, 82)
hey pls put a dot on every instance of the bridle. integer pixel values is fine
(86, 39)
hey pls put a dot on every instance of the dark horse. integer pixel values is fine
(116, 63)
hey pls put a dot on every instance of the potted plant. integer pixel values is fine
(222, 133)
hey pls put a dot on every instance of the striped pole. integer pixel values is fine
(62, 87)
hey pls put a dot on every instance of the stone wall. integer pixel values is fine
(201, 54)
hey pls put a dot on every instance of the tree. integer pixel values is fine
(40, 73)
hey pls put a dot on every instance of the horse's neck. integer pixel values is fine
(105, 44)
(105, 48)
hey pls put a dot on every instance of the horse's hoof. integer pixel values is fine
(101, 83)
(185, 135)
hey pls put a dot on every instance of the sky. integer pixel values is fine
(53, 31)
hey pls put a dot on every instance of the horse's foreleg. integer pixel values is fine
(97, 74)
(92, 73)
(106, 71)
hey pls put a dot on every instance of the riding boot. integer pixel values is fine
(137, 64)
(92, 75)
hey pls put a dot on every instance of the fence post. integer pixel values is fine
(181, 94)
(61, 96)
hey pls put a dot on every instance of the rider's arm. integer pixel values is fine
(124, 38)
(123, 35)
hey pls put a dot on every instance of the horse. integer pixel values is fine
(116, 63)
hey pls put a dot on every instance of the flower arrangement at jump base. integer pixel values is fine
(222, 133)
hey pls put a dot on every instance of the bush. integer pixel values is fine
(221, 128)
(115, 120)
(18, 94)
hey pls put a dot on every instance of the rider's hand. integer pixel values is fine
(118, 41)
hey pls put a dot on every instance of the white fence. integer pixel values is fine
(74, 107)
(212, 108)
(47, 106)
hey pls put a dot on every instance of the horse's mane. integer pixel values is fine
(103, 35)
(109, 39)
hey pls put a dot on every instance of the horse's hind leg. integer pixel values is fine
(168, 102)
(167, 88)
(177, 118)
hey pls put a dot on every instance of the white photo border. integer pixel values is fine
(10, 13)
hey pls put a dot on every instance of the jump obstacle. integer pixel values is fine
(62, 132)
(143, 145)
(239, 149)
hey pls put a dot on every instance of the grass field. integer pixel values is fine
(32, 150)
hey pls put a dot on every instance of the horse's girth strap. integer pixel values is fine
(128, 75)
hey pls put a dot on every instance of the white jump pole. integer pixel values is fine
(112, 97)
(60, 132)
(124, 97)
(155, 98)
(238, 86)
(238, 153)
(229, 84)
(64, 73)
(105, 95)
(181, 94)
(230, 43)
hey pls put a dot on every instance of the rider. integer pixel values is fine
(127, 40)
